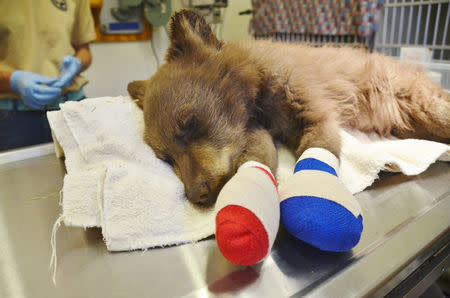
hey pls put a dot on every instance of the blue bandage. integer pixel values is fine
(316, 207)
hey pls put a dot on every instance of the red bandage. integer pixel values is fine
(248, 215)
(241, 237)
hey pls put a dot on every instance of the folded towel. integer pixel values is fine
(363, 156)
(114, 180)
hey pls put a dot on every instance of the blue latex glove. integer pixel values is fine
(29, 86)
(69, 68)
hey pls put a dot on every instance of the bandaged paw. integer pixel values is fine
(248, 215)
(316, 207)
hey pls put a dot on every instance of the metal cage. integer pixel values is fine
(418, 23)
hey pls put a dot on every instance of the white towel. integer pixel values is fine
(363, 156)
(114, 180)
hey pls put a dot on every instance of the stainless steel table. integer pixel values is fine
(406, 221)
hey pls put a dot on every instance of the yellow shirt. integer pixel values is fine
(35, 35)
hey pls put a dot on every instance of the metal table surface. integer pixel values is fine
(403, 217)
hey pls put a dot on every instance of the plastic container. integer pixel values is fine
(439, 71)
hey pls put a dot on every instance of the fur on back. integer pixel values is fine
(370, 92)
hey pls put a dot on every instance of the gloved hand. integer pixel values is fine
(29, 86)
(69, 68)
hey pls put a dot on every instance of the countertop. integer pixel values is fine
(406, 219)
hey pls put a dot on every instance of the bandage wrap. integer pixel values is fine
(316, 207)
(248, 215)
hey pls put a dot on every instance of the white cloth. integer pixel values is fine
(114, 180)
(363, 156)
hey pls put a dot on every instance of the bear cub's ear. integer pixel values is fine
(189, 33)
(136, 90)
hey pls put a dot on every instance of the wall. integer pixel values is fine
(114, 65)
(236, 26)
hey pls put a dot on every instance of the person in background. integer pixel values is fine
(44, 45)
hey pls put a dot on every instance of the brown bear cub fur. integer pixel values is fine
(214, 105)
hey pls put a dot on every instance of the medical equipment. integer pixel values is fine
(127, 16)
